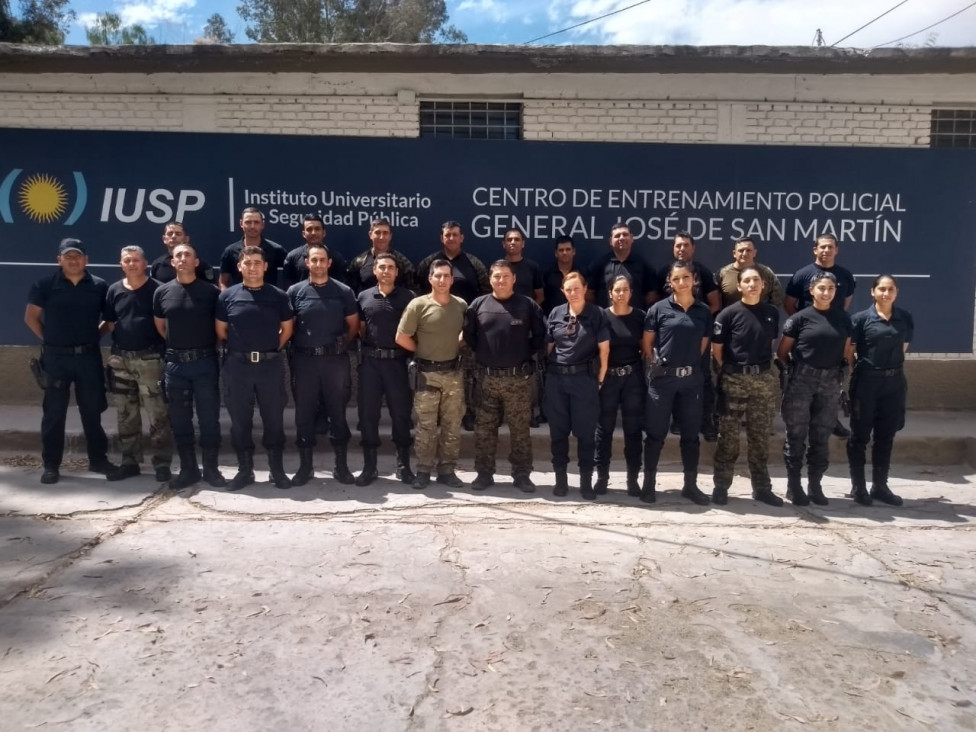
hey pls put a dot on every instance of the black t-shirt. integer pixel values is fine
(360, 271)
(254, 317)
(704, 282)
(132, 313)
(274, 255)
(819, 337)
(504, 333)
(576, 338)
(528, 278)
(71, 312)
(189, 312)
(321, 312)
(382, 315)
(607, 268)
(626, 333)
(746, 333)
(162, 269)
(799, 285)
(552, 289)
(294, 269)
(678, 332)
(880, 343)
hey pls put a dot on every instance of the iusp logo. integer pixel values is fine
(42, 198)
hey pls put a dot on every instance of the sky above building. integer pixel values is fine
(655, 22)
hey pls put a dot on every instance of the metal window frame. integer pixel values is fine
(471, 119)
(953, 127)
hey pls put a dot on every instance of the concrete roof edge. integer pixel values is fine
(480, 59)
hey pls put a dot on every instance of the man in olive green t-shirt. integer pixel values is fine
(430, 328)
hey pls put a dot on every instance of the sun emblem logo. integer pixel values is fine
(43, 198)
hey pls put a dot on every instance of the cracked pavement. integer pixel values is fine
(342, 608)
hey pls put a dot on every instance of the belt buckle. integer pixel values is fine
(750, 369)
(683, 371)
(254, 356)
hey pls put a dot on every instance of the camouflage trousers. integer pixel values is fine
(810, 405)
(135, 387)
(749, 398)
(438, 406)
(513, 396)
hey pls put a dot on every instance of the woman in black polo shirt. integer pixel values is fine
(578, 343)
(675, 337)
(881, 336)
(817, 340)
(742, 346)
(623, 389)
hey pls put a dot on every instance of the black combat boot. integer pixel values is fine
(859, 487)
(341, 471)
(211, 473)
(403, 472)
(720, 494)
(305, 468)
(602, 479)
(586, 484)
(245, 471)
(815, 490)
(277, 469)
(689, 462)
(764, 494)
(633, 473)
(794, 488)
(879, 487)
(189, 470)
(648, 492)
(562, 483)
(370, 473)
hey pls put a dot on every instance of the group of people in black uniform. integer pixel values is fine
(679, 349)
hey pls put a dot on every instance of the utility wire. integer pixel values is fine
(587, 22)
(898, 5)
(928, 27)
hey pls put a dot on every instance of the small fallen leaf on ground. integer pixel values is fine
(459, 712)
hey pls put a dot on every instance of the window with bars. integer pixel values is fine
(953, 128)
(471, 120)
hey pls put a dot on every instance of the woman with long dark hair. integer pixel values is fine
(817, 342)
(675, 337)
(878, 391)
(623, 389)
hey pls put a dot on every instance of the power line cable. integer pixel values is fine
(928, 27)
(874, 20)
(587, 22)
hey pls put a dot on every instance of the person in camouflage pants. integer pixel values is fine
(438, 405)
(511, 396)
(742, 346)
(133, 389)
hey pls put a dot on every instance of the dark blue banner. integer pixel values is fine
(910, 212)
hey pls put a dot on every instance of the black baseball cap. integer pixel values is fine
(71, 245)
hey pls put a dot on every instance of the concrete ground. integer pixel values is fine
(123, 606)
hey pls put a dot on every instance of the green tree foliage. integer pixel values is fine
(42, 22)
(348, 21)
(216, 30)
(107, 30)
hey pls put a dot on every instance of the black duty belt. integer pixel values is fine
(144, 353)
(523, 370)
(621, 370)
(71, 350)
(255, 356)
(383, 353)
(880, 372)
(568, 369)
(750, 368)
(424, 365)
(679, 372)
(314, 350)
(804, 369)
(188, 355)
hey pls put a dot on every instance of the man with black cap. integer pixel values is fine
(64, 310)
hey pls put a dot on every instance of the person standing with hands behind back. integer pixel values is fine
(878, 389)
(818, 340)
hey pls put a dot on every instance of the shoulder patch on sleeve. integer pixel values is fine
(717, 328)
